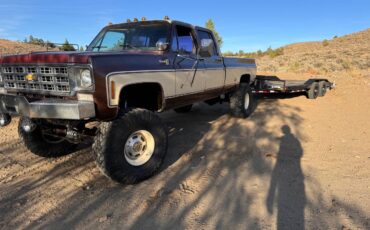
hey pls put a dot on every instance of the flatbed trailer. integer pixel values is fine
(272, 85)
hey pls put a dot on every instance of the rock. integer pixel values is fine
(102, 219)
(160, 193)
(86, 187)
(105, 218)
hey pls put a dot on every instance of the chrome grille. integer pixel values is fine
(10, 85)
(31, 70)
(47, 79)
(7, 70)
(20, 78)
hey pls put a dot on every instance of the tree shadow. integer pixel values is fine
(287, 183)
(215, 176)
(185, 133)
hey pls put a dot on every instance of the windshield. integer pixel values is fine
(130, 37)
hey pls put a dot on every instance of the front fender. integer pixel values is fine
(118, 80)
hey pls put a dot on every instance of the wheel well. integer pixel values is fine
(246, 78)
(144, 95)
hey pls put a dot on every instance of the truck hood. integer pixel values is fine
(61, 57)
(47, 57)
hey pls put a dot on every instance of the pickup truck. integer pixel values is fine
(113, 91)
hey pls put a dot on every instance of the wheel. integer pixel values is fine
(322, 88)
(242, 102)
(132, 147)
(313, 92)
(184, 109)
(44, 145)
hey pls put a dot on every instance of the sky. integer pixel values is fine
(244, 25)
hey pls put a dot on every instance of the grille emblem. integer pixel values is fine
(31, 77)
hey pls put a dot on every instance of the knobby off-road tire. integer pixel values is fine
(118, 139)
(313, 92)
(184, 109)
(322, 88)
(44, 146)
(242, 102)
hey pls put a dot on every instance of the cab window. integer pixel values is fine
(174, 44)
(203, 35)
(185, 40)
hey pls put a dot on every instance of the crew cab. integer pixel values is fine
(113, 90)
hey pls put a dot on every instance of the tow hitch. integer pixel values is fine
(5, 119)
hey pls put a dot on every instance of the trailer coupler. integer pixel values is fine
(5, 119)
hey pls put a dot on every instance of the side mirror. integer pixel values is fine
(161, 46)
(206, 48)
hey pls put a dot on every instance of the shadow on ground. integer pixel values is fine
(220, 172)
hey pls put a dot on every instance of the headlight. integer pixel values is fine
(86, 79)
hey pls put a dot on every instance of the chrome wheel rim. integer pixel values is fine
(139, 148)
(246, 101)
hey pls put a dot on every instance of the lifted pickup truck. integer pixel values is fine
(112, 92)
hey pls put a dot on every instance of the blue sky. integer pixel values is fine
(247, 25)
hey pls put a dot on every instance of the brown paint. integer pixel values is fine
(46, 57)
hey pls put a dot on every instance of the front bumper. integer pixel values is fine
(47, 108)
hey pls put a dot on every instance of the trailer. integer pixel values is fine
(272, 85)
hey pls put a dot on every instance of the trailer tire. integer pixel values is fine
(242, 102)
(322, 88)
(132, 147)
(313, 92)
(37, 143)
(184, 109)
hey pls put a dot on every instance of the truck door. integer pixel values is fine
(190, 71)
(215, 69)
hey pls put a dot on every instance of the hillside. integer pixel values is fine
(12, 47)
(347, 53)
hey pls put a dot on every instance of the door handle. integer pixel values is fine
(164, 61)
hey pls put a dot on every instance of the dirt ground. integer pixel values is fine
(295, 163)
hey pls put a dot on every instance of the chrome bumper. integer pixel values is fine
(47, 108)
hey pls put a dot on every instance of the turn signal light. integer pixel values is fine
(113, 90)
